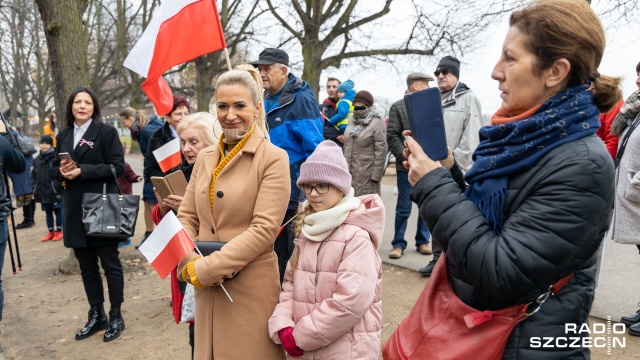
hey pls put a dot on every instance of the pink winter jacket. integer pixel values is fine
(333, 299)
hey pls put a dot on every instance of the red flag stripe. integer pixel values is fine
(194, 31)
(175, 250)
(170, 162)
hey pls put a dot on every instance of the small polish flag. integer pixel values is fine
(167, 245)
(168, 155)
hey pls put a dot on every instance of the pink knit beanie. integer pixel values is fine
(326, 165)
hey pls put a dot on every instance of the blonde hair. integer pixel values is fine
(568, 29)
(247, 76)
(295, 256)
(137, 114)
(204, 122)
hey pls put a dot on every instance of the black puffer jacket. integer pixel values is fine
(555, 218)
(159, 138)
(47, 188)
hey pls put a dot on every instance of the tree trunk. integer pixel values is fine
(67, 45)
(312, 57)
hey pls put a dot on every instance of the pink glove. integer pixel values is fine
(289, 343)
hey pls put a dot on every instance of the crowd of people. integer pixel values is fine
(293, 191)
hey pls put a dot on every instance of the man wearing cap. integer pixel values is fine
(462, 121)
(295, 125)
(398, 122)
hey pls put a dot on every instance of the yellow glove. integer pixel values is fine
(189, 274)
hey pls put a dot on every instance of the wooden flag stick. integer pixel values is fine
(226, 55)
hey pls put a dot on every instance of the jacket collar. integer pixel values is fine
(457, 90)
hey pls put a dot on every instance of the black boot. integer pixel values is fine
(116, 324)
(29, 212)
(97, 321)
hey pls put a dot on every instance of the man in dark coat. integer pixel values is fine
(11, 159)
(328, 109)
(399, 122)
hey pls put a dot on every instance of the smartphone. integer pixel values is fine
(172, 184)
(424, 109)
(65, 156)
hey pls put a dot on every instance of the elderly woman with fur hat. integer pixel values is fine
(365, 145)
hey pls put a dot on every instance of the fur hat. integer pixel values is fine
(364, 97)
(326, 165)
(46, 139)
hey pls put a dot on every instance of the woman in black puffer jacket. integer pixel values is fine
(540, 191)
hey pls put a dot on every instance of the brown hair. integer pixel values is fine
(568, 29)
(638, 68)
(136, 114)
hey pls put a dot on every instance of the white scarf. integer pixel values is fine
(319, 225)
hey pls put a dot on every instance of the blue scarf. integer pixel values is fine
(513, 148)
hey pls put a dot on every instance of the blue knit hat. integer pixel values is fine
(346, 86)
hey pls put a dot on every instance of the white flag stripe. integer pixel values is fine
(160, 237)
(139, 59)
(167, 150)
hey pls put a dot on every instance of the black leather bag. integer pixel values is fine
(208, 247)
(111, 216)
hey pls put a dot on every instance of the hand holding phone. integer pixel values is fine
(64, 156)
(424, 109)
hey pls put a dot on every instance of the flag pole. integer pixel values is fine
(226, 55)
(222, 286)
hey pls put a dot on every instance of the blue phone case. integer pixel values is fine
(424, 108)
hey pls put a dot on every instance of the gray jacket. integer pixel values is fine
(626, 223)
(366, 155)
(462, 121)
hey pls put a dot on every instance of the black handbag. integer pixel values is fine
(110, 216)
(209, 247)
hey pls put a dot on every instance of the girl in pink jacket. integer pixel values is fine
(331, 303)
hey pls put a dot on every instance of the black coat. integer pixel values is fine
(159, 138)
(94, 163)
(11, 159)
(47, 188)
(555, 218)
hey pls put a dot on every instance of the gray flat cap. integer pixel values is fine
(417, 76)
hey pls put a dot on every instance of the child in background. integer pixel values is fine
(331, 306)
(126, 186)
(344, 109)
(47, 190)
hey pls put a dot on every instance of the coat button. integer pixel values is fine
(213, 231)
(220, 194)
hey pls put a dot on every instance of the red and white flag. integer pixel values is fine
(180, 31)
(168, 155)
(167, 245)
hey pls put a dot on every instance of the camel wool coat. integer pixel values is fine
(250, 199)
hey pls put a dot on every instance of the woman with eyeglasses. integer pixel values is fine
(331, 305)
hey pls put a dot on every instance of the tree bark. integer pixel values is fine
(67, 45)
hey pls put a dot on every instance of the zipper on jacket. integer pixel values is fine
(281, 106)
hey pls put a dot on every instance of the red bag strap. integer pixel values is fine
(518, 312)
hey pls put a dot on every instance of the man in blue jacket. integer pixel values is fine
(295, 125)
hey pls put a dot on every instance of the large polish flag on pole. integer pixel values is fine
(168, 155)
(167, 245)
(180, 31)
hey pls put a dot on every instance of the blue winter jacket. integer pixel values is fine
(22, 180)
(342, 110)
(295, 125)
